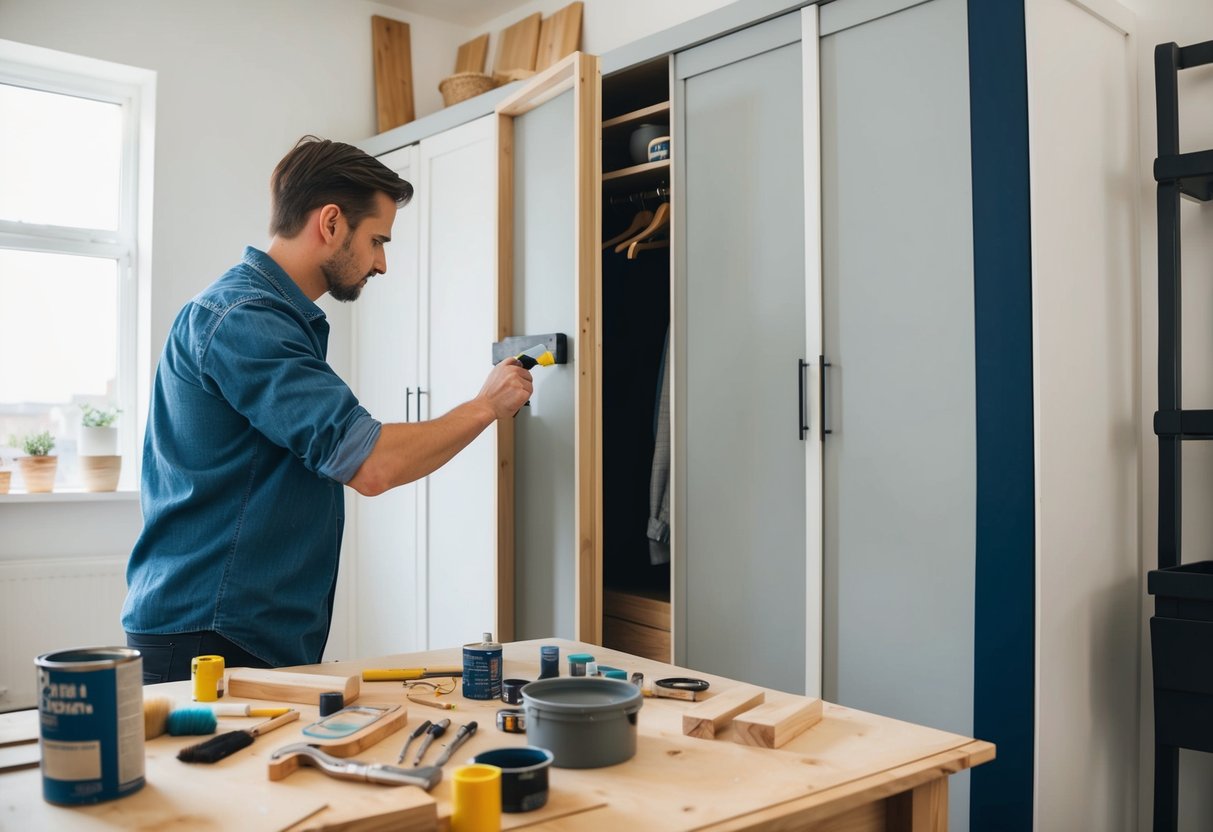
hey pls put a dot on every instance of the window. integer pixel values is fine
(75, 155)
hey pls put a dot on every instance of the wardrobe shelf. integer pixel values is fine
(657, 112)
(636, 177)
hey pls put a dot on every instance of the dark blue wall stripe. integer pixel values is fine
(1004, 679)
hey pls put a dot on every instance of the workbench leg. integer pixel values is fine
(924, 809)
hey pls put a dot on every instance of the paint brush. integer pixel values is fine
(224, 745)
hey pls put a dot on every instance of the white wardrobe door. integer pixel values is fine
(384, 571)
(457, 187)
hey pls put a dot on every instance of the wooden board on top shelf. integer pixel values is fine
(471, 55)
(559, 35)
(518, 46)
(393, 59)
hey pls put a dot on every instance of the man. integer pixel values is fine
(251, 436)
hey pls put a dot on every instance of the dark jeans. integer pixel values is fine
(167, 658)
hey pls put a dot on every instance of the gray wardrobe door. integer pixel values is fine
(740, 539)
(544, 301)
(900, 465)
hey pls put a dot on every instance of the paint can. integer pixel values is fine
(207, 675)
(482, 669)
(90, 713)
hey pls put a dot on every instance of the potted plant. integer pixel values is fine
(6, 475)
(100, 463)
(38, 466)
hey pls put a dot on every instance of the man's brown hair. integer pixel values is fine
(317, 172)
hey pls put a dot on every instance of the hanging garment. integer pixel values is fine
(659, 480)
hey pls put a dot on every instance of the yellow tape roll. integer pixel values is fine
(207, 674)
(476, 799)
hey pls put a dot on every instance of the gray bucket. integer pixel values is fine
(585, 722)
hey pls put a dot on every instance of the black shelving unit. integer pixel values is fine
(1181, 630)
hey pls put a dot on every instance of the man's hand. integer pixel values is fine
(507, 388)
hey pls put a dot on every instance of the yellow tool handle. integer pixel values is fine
(404, 674)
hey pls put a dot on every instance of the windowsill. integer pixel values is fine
(70, 496)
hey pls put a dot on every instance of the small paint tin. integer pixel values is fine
(549, 661)
(90, 712)
(511, 691)
(482, 669)
(206, 672)
(578, 662)
(524, 775)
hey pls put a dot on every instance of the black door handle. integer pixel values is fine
(420, 393)
(802, 410)
(821, 399)
(408, 397)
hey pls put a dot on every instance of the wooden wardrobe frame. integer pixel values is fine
(580, 73)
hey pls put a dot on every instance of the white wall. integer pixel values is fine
(1184, 22)
(1085, 291)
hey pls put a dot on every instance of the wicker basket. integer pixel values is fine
(463, 85)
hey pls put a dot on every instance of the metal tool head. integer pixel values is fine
(288, 758)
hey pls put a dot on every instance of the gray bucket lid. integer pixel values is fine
(578, 696)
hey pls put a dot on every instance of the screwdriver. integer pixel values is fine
(435, 731)
(417, 732)
(461, 736)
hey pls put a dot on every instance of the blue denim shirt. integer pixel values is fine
(250, 437)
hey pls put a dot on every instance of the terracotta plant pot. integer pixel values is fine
(38, 473)
(6, 480)
(100, 472)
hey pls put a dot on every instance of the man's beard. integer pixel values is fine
(337, 271)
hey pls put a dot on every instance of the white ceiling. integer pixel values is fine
(463, 12)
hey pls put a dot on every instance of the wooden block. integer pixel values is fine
(283, 686)
(380, 810)
(518, 45)
(392, 721)
(774, 724)
(471, 55)
(559, 35)
(393, 72)
(709, 716)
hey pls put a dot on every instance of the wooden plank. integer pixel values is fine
(542, 88)
(587, 163)
(518, 45)
(407, 809)
(643, 609)
(472, 55)
(285, 686)
(636, 639)
(774, 724)
(654, 112)
(19, 727)
(712, 714)
(393, 72)
(559, 35)
(505, 427)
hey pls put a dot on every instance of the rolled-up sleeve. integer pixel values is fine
(262, 358)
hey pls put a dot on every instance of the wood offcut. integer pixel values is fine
(776, 723)
(393, 72)
(712, 715)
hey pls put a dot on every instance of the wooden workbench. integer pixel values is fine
(852, 771)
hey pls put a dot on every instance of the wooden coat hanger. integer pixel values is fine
(664, 242)
(660, 219)
(642, 218)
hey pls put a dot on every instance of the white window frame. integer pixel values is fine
(130, 244)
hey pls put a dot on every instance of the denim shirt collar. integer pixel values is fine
(266, 266)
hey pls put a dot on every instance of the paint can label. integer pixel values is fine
(90, 714)
(482, 669)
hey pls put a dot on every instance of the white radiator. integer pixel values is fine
(48, 605)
